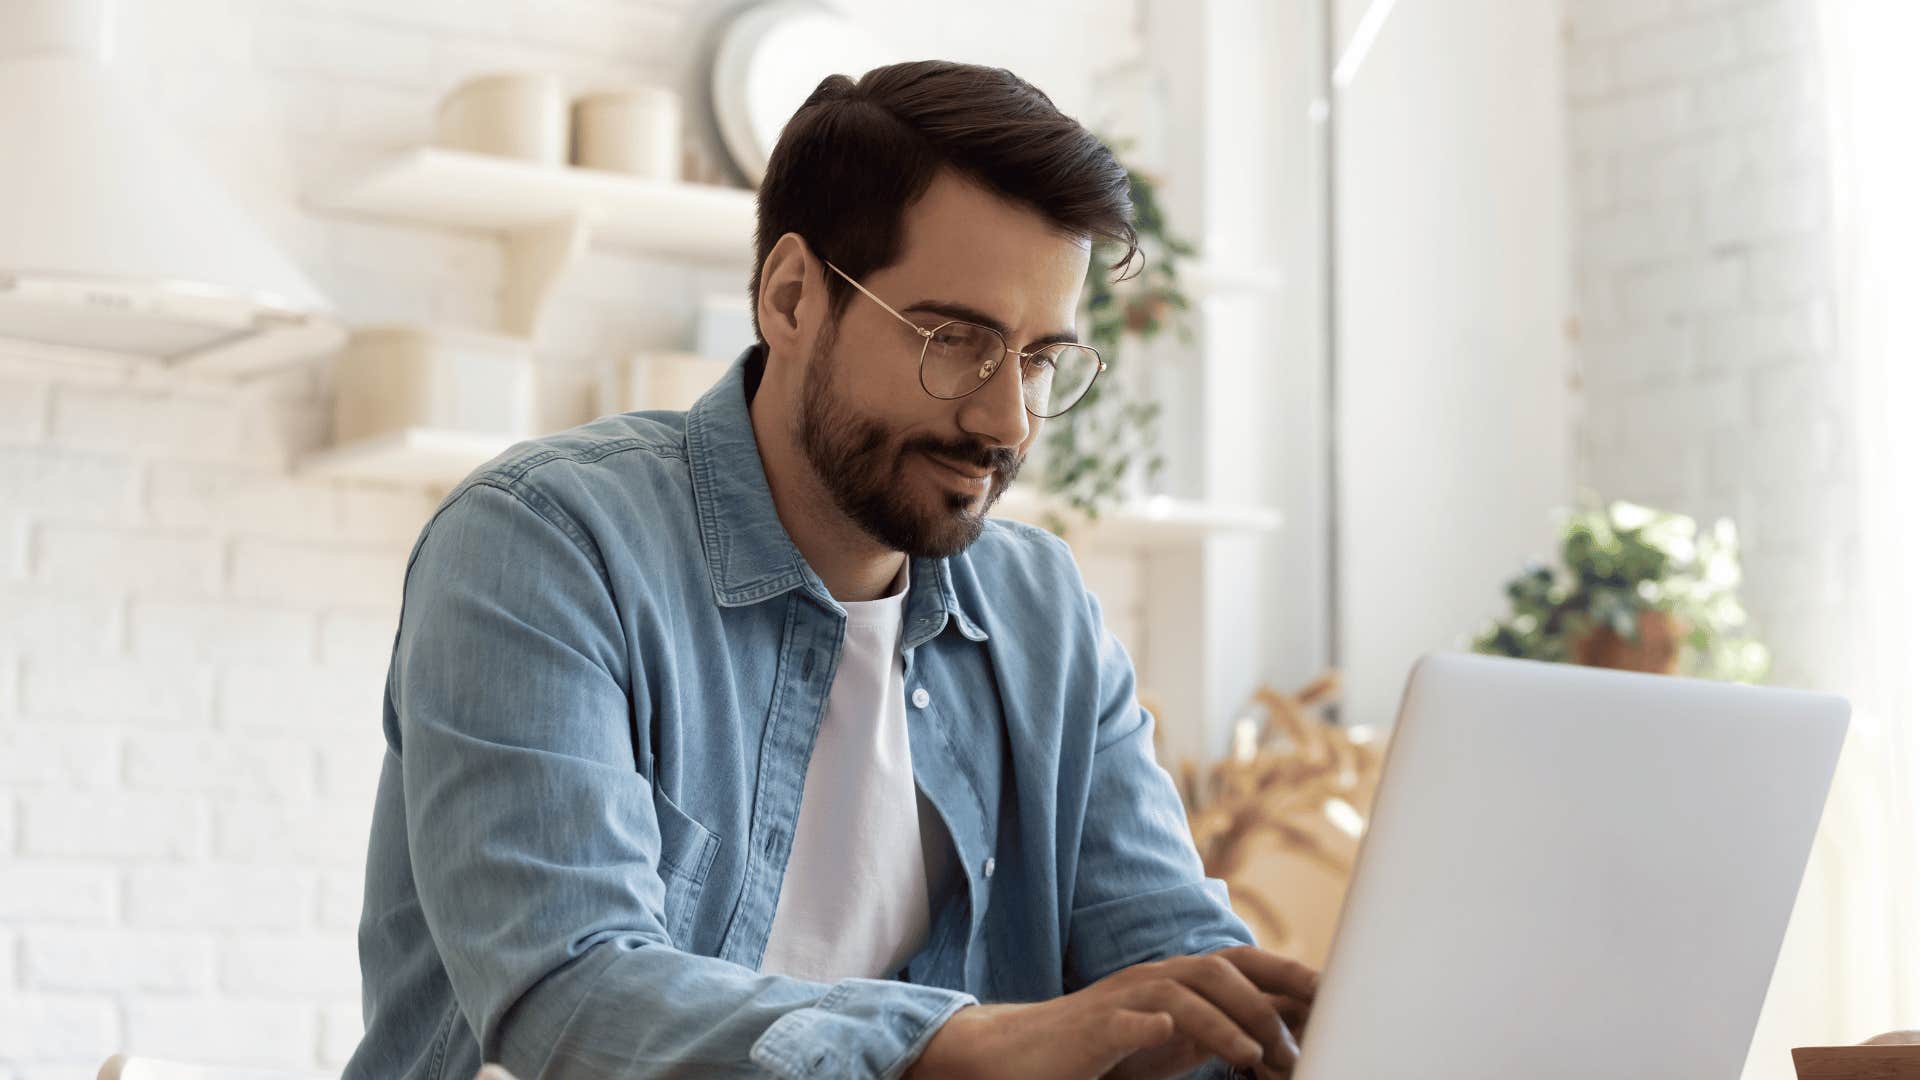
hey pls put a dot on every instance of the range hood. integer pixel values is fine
(115, 242)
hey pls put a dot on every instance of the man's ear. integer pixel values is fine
(787, 289)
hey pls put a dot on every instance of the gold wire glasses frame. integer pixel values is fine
(966, 355)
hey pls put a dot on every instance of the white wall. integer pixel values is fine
(1706, 294)
(1705, 288)
(1240, 404)
(1453, 400)
(192, 641)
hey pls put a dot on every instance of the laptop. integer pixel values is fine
(1572, 872)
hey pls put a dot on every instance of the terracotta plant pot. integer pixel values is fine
(1657, 651)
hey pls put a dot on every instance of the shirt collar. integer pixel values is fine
(750, 557)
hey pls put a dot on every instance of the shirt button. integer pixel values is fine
(921, 697)
(986, 870)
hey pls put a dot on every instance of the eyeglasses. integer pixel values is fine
(958, 357)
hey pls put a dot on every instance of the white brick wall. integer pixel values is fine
(58, 891)
(217, 896)
(193, 638)
(111, 825)
(38, 1026)
(1705, 294)
(68, 959)
(224, 1031)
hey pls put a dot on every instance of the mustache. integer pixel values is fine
(1000, 459)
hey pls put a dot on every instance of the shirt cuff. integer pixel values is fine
(860, 1028)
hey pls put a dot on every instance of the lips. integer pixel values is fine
(968, 472)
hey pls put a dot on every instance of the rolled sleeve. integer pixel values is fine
(861, 1027)
(1141, 893)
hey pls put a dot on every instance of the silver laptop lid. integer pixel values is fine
(1572, 872)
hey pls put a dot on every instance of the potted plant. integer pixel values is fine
(1089, 452)
(1638, 589)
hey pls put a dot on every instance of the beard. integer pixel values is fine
(862, 463)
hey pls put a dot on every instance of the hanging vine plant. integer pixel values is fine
(1090, 450)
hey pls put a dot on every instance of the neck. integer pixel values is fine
(851, 563)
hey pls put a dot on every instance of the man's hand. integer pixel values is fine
(1243, 1005)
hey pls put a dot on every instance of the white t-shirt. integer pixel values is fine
(853, 902)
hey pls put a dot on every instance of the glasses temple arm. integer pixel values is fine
(911, 325)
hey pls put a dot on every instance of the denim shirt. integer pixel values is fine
(610, 666)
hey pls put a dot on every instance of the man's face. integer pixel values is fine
(915, 472)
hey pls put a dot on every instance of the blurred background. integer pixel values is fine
(1579, 330)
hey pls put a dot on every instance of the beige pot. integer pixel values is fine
(511, 114)
(392, 377)
(634, 130)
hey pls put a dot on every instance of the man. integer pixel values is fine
(740, 742)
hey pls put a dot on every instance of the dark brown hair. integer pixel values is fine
(856, 154)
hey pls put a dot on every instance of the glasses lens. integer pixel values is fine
(1058, 376)
(959, 357)
(962, 355)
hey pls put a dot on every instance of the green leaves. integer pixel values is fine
(1089, 450)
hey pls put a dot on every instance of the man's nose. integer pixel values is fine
(997, 411)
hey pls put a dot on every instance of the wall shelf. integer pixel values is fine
(433, 458)
(1155, 523)
(547, 214)
(455, 189)
(1225, 277)
(412, 457)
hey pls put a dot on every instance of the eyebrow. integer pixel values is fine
(955, 310)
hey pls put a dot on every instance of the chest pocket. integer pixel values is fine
(687, 849)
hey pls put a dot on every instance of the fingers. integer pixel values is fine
(1243, 1005)
(1293, 1011)
(1230, 991)
(1129, 1030)
(1200, 1020)
(1293, 1018)
(1119, 1035)
(1272, 972)
(1282, 1072)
